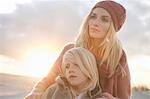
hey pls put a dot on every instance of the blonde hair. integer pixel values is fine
(87, 64)
(109, 51)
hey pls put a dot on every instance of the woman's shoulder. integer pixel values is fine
(122, 67)
(123, 53)
(123, 59)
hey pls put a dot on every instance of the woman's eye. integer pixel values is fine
(92, 16)
(104, 19)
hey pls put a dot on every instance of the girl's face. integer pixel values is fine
(99, 23)
(74, 74)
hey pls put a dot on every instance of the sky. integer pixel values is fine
(33, 33)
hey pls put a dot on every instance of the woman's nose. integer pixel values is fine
(95, 23)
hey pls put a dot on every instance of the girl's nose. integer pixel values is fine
(71, 69)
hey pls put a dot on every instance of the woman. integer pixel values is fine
(79, 77)
(98, 35)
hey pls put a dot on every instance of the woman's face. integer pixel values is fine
(99, 23)
(74, 74)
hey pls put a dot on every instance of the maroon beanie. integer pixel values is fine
(116, 10)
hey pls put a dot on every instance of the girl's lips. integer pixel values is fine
(72, 76)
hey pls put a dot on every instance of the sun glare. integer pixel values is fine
(39, 61)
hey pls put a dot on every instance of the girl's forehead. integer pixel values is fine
(69, 59)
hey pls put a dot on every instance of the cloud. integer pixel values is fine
(136, 33)
(38, 23)
(53, 23)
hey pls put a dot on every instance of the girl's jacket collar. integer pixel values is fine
(64, 86)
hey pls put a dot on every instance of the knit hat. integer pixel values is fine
(116, 10)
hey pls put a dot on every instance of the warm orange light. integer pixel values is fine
(39, 61)
(38, 58)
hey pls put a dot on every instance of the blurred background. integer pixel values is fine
(33, 33)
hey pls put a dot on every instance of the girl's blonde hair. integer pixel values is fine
(109, 51)
(87, 64)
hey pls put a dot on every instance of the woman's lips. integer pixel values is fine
(94, 30)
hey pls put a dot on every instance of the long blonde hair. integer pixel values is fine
(109, 51)
(87, 64)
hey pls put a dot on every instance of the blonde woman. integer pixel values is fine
(99, 35)
(79, 78)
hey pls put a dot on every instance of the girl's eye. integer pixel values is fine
(76, 64)
(67, 66)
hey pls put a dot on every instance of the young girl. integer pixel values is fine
(99, 35)
(79, 78)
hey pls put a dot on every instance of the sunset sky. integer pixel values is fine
(33, 33)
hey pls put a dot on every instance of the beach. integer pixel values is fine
(16, 87)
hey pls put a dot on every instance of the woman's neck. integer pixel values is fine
(96, 42)
(94, 46)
